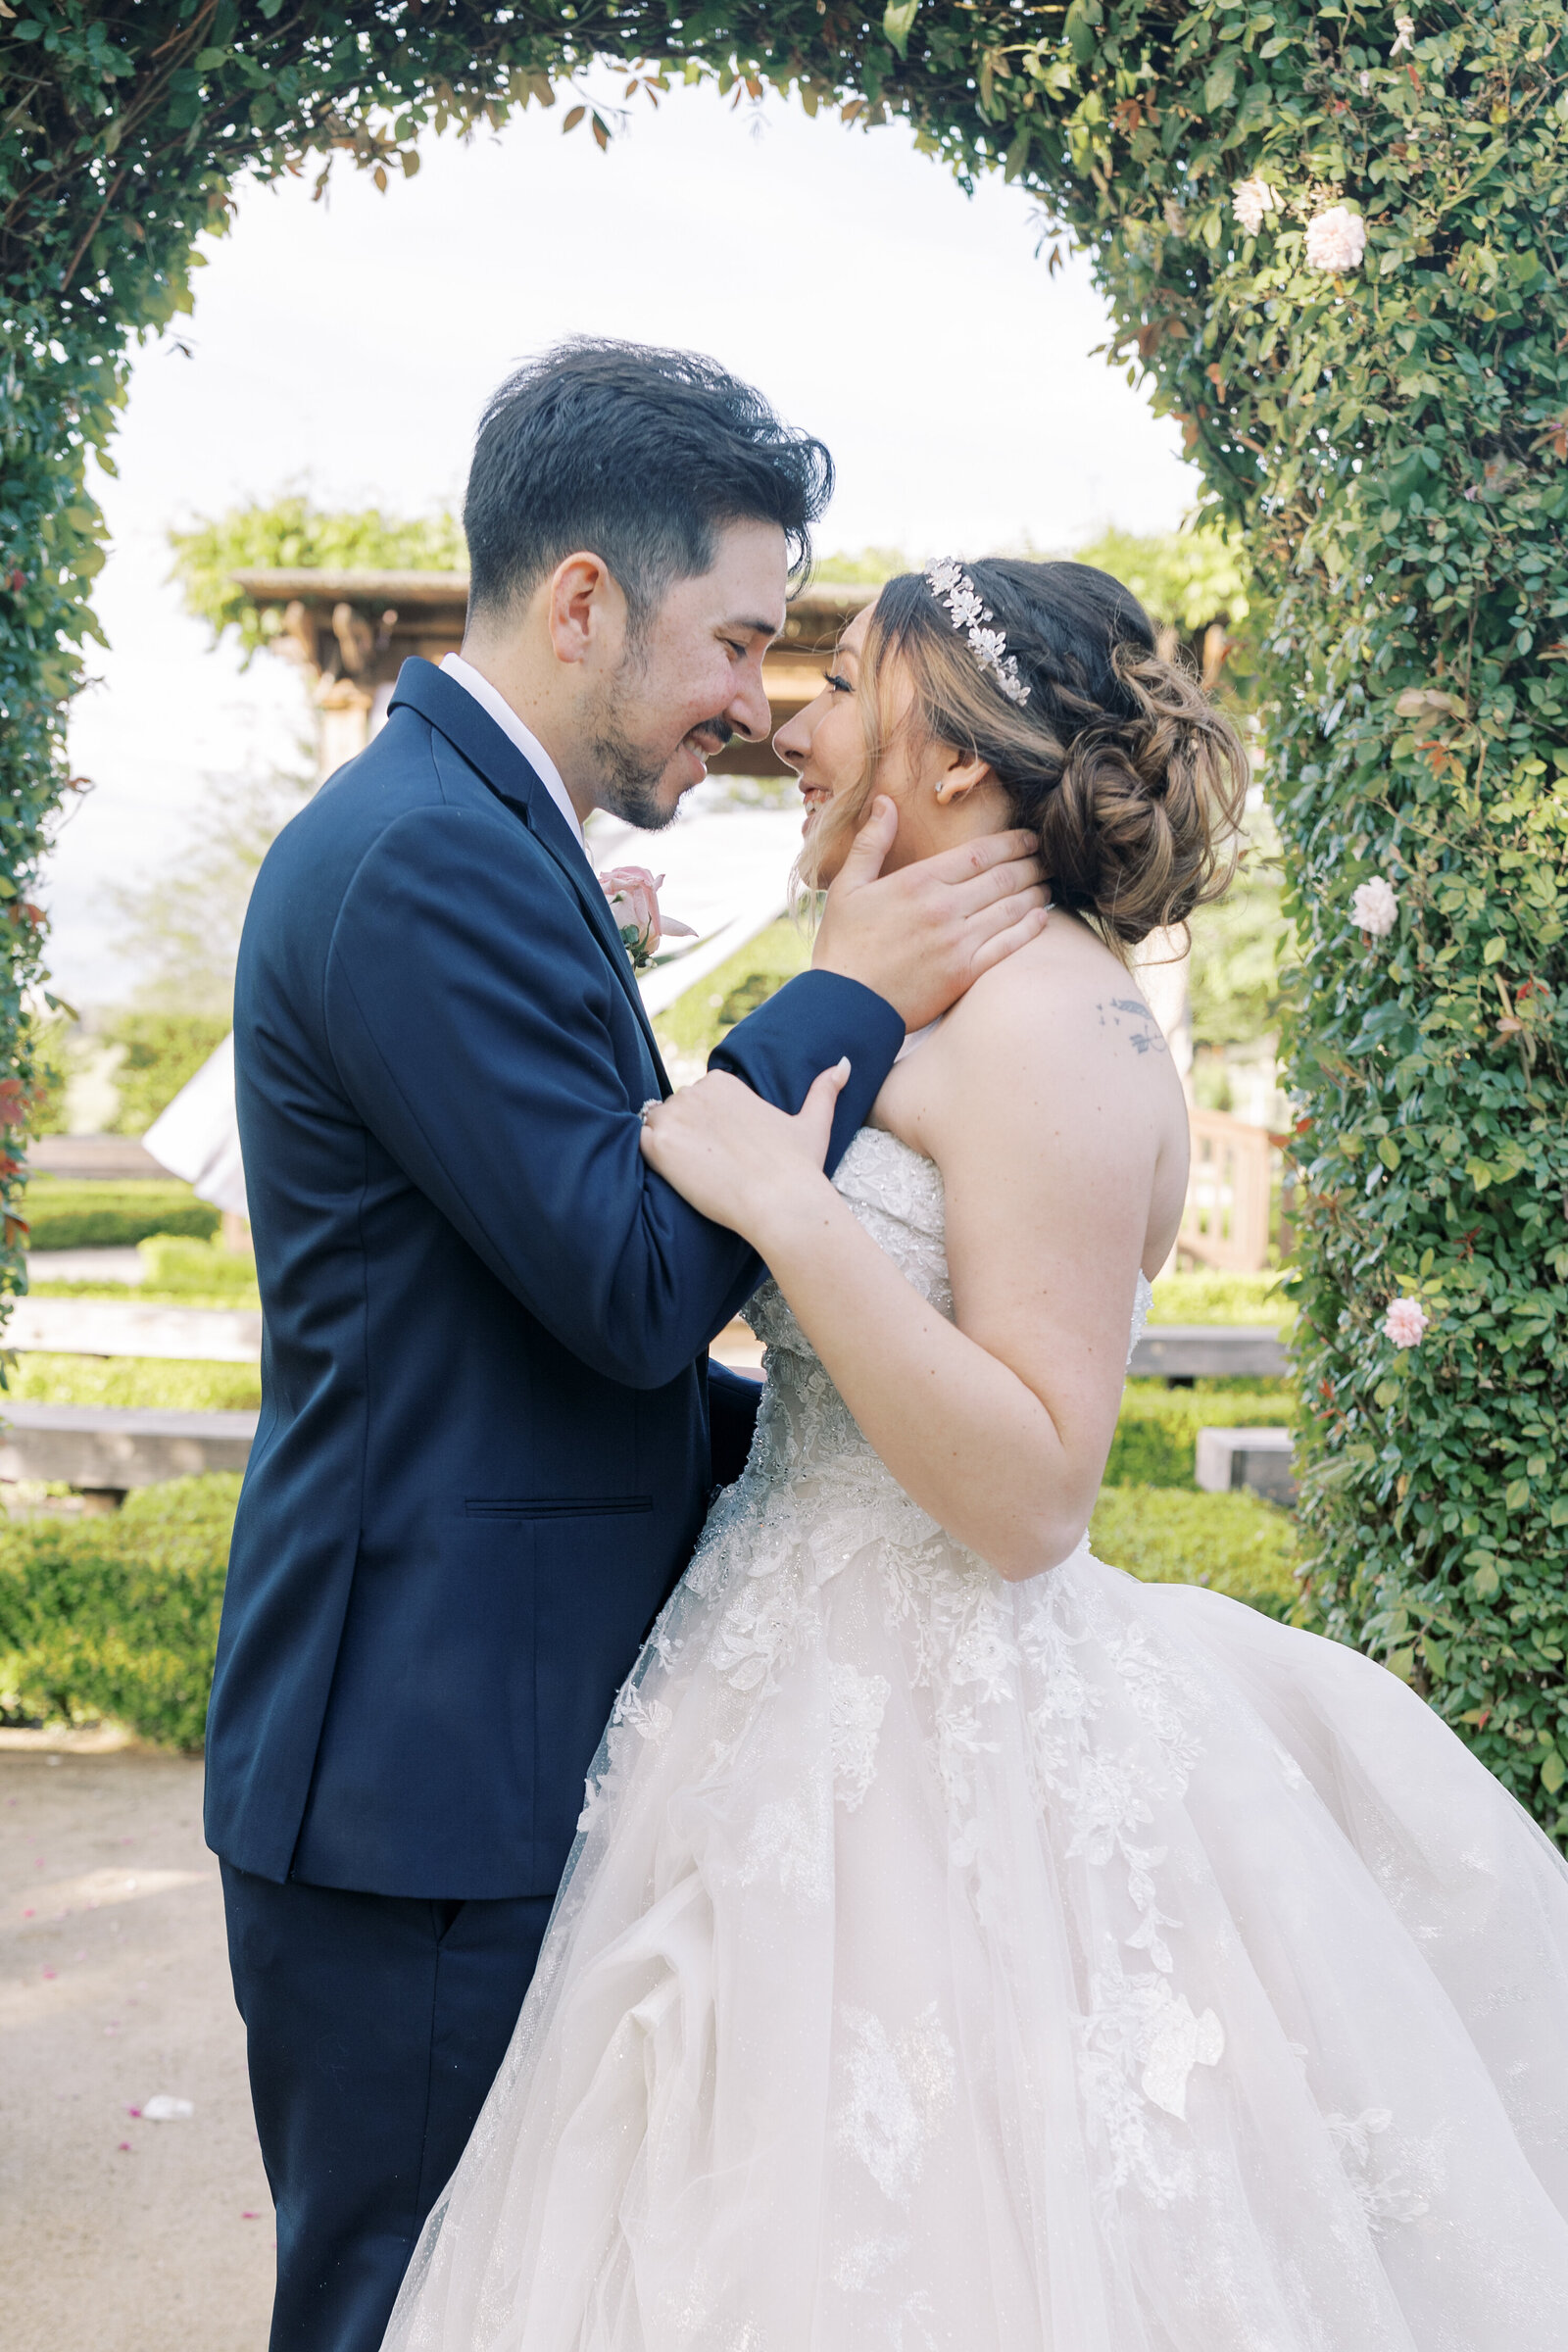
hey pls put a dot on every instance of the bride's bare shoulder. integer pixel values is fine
(1057, 1040)
(1064, 993)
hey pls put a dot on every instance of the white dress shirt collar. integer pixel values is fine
(527, 740)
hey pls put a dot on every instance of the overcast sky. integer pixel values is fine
(345, 348)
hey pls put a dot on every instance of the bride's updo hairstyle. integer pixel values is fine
(1132, 778)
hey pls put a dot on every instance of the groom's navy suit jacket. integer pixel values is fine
(484, 1445)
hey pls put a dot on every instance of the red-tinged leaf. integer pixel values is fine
(573, 118)
(601, 135)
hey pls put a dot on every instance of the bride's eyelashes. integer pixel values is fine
(838, 684)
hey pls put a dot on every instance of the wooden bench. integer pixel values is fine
(212, 1335)
(1209, 1352)
(105, 1449)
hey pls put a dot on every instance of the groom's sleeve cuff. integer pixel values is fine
(810, 1023)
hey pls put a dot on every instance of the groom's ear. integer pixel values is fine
(585, 611)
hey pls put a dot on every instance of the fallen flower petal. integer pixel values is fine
(162, 2109)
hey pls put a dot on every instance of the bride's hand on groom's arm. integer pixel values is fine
(922, 936)
(738, 1160)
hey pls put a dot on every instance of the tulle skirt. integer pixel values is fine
(1076, 1966)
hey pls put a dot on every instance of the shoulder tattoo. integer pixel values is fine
(1136, 1022)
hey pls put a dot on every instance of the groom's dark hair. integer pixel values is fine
(639, 455)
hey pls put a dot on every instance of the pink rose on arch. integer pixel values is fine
(633, 895)
(1404, 1322)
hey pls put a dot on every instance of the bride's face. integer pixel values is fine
(940, 799)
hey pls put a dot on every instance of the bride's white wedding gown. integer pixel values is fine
(1070, 1966)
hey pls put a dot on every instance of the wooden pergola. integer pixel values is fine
(351, 631)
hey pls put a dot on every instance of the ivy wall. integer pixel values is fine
(1332, 240)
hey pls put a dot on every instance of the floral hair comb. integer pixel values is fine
(953, 586)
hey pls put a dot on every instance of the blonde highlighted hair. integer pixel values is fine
(1133, 779)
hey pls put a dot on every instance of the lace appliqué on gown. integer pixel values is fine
(959, 1966)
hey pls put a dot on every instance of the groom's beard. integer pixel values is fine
(629, 773)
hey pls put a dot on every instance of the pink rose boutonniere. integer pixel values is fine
(633, 895)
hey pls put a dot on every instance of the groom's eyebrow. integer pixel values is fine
(755, 629)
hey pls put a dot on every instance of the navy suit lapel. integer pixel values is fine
(453, 712)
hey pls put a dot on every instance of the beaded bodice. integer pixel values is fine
(896, 1194)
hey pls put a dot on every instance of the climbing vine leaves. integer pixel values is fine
(1332, 240)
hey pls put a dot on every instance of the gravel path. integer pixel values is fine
(118, 2234)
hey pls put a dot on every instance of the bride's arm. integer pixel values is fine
(1047, 1124)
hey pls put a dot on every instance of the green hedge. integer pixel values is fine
(1235, 1544)
(1157, 1435)
(117, 1616)
(177, 1267)
(92, 1213)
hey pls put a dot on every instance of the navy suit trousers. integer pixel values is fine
(375, 2024)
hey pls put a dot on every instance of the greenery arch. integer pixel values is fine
(1331, 237)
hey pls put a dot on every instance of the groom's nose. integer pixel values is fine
(746, 709)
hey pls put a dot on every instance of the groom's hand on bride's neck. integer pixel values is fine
(923, 935)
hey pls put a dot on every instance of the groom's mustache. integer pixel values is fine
(717, 731)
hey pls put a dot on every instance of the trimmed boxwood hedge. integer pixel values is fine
(117, 1616)
(93, 1213)
(1235, 1544)
(1156, 1436)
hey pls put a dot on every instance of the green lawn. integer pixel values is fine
(169, 1383)
(1209, 1298)
(696, 1021)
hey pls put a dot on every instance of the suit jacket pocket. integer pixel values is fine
(555, 1507)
